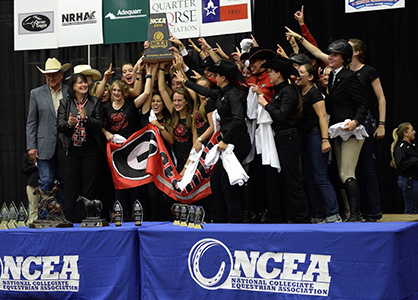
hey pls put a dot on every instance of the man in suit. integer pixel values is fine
(41, 130)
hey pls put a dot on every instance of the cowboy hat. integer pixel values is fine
(282, 65)
(228, 69)
(52, 65)
(258, 53)
(87, 70)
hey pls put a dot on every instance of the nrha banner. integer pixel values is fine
(371, 5)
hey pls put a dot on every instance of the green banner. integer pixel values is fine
(125, 21)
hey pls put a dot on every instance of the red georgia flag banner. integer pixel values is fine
(143, 158)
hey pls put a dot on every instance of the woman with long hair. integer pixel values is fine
(315, 147)
(122, 118)
(405, 159)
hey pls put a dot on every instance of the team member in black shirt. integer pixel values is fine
(285, 109)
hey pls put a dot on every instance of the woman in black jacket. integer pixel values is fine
(285, 109)
(231, 107)
(79, 123)
(405, 159)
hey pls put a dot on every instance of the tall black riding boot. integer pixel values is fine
(353, 194)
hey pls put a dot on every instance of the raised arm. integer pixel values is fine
(311, 48)
(102, 85)
(151, 70)
(162, 87)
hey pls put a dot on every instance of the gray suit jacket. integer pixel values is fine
(41, 130)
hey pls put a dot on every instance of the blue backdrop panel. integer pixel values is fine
(76, 263)
(339, 261)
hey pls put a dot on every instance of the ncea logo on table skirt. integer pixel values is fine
(39, 273)
(213, 266)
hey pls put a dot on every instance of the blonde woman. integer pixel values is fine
(405, 160)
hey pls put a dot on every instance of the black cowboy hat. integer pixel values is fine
(258, 53)
(282, 65)
(207, 61)
(228, 69)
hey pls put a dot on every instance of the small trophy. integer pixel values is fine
(176, 210)
(184, 214)
(158, 37)
(93, 213)
(23, 216)
(191, 216)
(118, 213)
(199, 217)
(4, 217)
(13, 214)
(137, 213)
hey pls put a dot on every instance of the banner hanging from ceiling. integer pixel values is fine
(34, 25)
(352, 6)
(225, 17)
(182, 16)
(125, 21)
(79, 23)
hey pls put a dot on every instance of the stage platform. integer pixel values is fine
(222, 261)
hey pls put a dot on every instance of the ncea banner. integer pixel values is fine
(79, 22)
(125, 21)
(35, 25)
(225, 16)
(182, 16)
(369, 5)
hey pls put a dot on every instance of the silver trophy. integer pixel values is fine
(184, 214)
(137, 213)
(118, 213)
(4, 217)
(13, 214)
(23, 216)
(199, 217)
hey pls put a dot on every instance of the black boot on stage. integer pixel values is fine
(353, 194)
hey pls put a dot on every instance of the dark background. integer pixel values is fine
(391, 37)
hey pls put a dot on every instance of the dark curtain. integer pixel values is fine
(390, 36)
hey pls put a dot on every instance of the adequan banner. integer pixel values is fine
(182, 16)
(125, 21)
(79, 22)
(225, 16)
(370, 5)
(34, 24)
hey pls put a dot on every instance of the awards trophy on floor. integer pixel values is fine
(176, 211)
(137, 213)
(117, 213)
(23, 216)
(158, 37)
(50, 203)
(12, 215)
(4, 217)
(93, 213)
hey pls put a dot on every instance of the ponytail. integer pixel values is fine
(397, 135)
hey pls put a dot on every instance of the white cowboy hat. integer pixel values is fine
(87, 70)
(52, 65)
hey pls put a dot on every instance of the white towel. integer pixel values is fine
(335, 130)
(232, 166)
(194, 159)
(265, 144)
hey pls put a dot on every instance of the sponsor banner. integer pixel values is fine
(143, 158)
(79, 22)
(370, 5)
(125, 21)
(225, 16)
(182, 16)
(34, 24)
